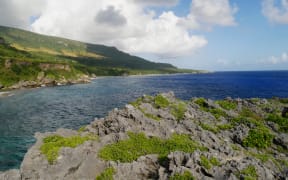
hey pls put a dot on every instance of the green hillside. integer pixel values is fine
(25, 55)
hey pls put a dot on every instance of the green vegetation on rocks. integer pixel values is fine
(161, 102)
(178, 110)
(185, 176)
(259, 138)
(107, 174)
(139, 145)
(249, 173)
(52, 144)
(217, 113)
(228, 105)
(208, 163)
(280, 121)
(31, 49)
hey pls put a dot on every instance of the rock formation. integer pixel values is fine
(163, 137)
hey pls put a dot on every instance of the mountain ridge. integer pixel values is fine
(22, 53)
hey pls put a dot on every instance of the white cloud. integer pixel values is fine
(208, 13)
(283, 58)
(126, 24)
(157, 2)
(17, 13)
(276, 13)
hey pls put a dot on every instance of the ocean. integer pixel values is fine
(47, 109)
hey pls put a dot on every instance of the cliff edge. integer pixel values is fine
(162, 137)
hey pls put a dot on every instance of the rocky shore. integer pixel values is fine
(162, 137)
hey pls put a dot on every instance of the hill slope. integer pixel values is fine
(27, 56)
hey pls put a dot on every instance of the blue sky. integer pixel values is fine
(247, 46)
(200, 34)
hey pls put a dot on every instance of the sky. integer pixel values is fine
(219, 35)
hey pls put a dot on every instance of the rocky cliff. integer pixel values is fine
(163, 137)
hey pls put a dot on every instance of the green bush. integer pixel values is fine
(228, 105)
(249, 173)
(185, 176)
(259, 138)
(225, 126)
(138, 145)
(178, 110)
(248, 113)
(201, 102)
(209, 128)
(261, 156)
(284, 100)
(107, 174)
(205, 162)
(161, 102)
(214, 161)
(281, 121)
(217, 113)
(52, 144)
(208, 163)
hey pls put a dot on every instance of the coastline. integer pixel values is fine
(6, 92)
(180, 138)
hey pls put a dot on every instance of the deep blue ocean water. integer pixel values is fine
(47, 109)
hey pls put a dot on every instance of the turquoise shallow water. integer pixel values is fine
(47, 109)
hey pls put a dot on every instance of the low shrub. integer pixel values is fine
(107, 174)
(185, 176)
(178, 110)
(281, 121)
(138, 145)
(161, 102)
(52, 144)
(259, 138)
(228, 105)
(249, 173)
(208, 163)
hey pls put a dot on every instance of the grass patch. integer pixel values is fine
(228, 105)
(214, 161)
(107, 174)
(283, 100)
(201, 102)
(248, 113)
(217, 113)
(235, 147)
(209, 128)
(178, 110)
(81, 129)
(185, 176)
(281, 121)
(259, 138)
(247, 121)
(139, 145)
(52, 144)
(151, 116)
(217, 128)
(161, 102)
(225, 126)
(208, 163)
(263, 157)
(249, 173)
(137, 103)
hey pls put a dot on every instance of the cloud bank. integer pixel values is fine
(276, 13)
(130, 25)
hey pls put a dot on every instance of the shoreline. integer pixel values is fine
(211, 140)
(9, 92)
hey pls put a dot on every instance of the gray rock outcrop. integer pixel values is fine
(224, 154)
